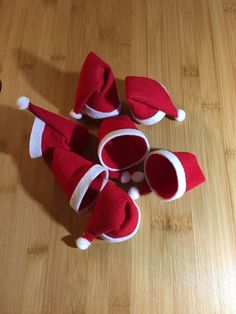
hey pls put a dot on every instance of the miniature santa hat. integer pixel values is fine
(121, 144)
(171, 174)
(96, 94)
(149, 101)
(115, 218)
(80, 179)
(51, 130)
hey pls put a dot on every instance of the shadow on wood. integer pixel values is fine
(42, 76)
(56, 86)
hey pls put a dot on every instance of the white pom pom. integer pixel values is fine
(82, 243)
(23, 102)
(181, 115)
(137, 176)
(74, 115)
(134, 193)
(125, 177)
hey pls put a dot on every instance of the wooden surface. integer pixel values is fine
(183, 259)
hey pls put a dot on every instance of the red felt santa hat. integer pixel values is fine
(115, 218)
(96, 94)
(171, 174)
(121, 144)
(80, 179)
(149, 101)
(51, 130)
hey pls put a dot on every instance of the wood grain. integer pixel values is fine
(183, 258)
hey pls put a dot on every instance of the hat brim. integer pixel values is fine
(179, 171)
(129, 236)
(84, 184)
(95, 114)
(35, 143)
(118, 133)
(158, 116)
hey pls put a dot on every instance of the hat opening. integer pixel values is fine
(128, 228)
(165, 175)
(121, 150)
(89, 187)
(93, 190)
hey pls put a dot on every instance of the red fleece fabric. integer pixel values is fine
(146, 97)
(59, 131)
(143, 188)
(115, 123)
(52, 139)
(115, 175)
(93, 191)
(68, 168)
(96, 86)
(161, 175)
(123, 150)
(114, 214)
(193, 172)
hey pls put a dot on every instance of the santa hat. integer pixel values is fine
(80, 179)
(96, 94)
(51, 130)
(115, 218)
(121, 144)
(149, 101)
(171, 174)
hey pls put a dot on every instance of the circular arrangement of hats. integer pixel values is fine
(115, 217)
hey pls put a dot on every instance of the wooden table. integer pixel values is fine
(183, 259)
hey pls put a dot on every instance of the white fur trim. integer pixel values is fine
(125, 177)
(134, 193)
(117, 133)
(84, 183)
(181, 115)
(164, 87)
(23, 102)
(158, 116)
(74, 115)
(92, 113)
(137, 176)
(82, 243)
(118, 240)
(35, 144)
(180, 173)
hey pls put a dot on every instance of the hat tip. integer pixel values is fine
(181, 115)
(134, 193)
(75, 115)
(82, 243)
(137, 176)
(22, 102)
(125, 177)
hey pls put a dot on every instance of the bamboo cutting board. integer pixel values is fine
(183, 259)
